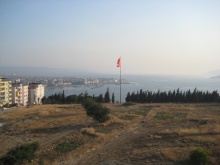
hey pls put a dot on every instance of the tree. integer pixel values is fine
(86, 95)
(113, 98)
(107, 96)
(128, 98)
(44, 99)
(80, 98)
(63, 98)
(143, 97)
(100, 99)
(71, 99)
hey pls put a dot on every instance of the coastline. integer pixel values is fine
(146, 83)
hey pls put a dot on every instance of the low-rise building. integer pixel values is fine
(44, 82)
(20, 94)
(36, 93)
(51, 82)
(5, 92)
(60, 82)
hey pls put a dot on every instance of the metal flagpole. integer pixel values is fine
(119, 65)
(120, 80)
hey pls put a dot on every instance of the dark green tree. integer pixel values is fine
(63, 98)
(128, 98)
(107, 96)
(86, 95)
(113, 98)
(100, 99)
(44, 99)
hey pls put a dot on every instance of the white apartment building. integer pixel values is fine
(36, 93)
(5, 92)
(20, 94)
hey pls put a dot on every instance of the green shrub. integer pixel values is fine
(88, 103)
(200, 156)
(101, 114)
(97, 111)
(8, 160)
(68, 146)
(19, 154)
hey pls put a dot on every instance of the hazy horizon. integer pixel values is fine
(62, 72)
(152, 37)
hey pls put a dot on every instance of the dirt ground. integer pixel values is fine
(136, 134)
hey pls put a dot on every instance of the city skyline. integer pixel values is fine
(151, 37)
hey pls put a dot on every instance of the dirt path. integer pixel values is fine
(120, 149)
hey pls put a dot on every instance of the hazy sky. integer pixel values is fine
(151, 36)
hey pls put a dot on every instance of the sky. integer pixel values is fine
(151, 36)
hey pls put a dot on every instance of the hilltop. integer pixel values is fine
(136, 133)
(218, 77)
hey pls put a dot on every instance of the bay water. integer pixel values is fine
(150, 83)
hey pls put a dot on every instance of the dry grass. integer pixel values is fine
(207, 129)
(196, 124)
(47, 116)
(38, 123)
(206, 139)
(175, 154)
(89, 131)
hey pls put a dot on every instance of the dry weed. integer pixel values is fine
(88, 131)
(175, 154)
(207, 139)
(114, 119)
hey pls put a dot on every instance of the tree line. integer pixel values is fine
(175, 96)
(60, 98)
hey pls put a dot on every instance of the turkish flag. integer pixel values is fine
(119, 62)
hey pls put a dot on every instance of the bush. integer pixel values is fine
(200, 156)
(68, 146)
(97, 111)
(19, 154)
(88, 103)
(101, 114)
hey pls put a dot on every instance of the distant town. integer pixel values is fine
(65, 81)
(28, 90)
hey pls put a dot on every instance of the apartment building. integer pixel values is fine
(36, 92)
(20, 94)
(5, 92)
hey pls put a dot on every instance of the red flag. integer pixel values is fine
(119, 62)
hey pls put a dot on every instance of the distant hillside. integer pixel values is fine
(214, 73)
(216, 77)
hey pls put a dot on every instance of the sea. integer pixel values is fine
(144, 82)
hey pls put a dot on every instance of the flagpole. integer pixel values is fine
(119, 65)
(120, 84)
